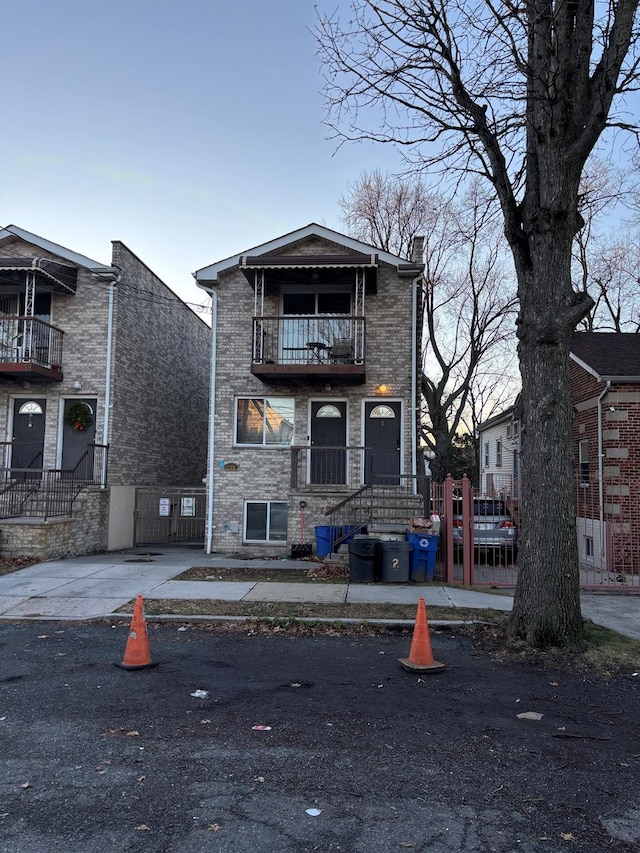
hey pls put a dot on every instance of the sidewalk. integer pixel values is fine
(95, 586)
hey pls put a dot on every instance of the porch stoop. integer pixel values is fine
(385, 510)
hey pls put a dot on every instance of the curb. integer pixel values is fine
(327, 620)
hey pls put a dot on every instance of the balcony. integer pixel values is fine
(30, 349)
(325, 348)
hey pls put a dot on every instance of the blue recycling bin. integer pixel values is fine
(422, 560)
(326, 537)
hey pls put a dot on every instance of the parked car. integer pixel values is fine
(494, 531)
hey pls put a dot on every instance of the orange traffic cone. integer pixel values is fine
(137, 654)
(420, 655)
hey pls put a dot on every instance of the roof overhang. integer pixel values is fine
(265, 257)
(634, 379)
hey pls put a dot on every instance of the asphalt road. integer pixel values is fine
(94, 758)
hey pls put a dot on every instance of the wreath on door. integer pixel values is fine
(79, 416)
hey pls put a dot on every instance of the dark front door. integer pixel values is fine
(382, 442)
(76, 455)
(28, 438)
(328, 443)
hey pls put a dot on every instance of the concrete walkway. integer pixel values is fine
(95, 586)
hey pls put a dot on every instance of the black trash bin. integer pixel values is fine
(395, 561)
(363, 559)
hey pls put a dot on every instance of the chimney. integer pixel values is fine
(417, 250)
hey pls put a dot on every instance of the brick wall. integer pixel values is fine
(161, 382)
(84, 533)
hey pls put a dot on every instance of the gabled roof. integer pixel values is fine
(209, 275)
(66, 254)
(609, 356)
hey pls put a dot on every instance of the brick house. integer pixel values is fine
(314, 387)
(605, 387)
(114, 346)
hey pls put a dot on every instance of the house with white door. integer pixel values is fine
(315, 395)
(104, 376)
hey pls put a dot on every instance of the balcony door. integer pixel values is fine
(382, 440)
(28, 438)
(328, 443)
(312, 322)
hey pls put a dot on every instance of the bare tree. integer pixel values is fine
(467, 297)
(386, 211)
(519, 93)
(468, 318)
(606, 250)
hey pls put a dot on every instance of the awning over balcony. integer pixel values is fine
(292, 269)
(301, 262)
(62, 276)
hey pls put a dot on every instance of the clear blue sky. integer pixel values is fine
(188, 129)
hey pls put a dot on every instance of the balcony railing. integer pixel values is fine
(328, 466)
(30, 347)
(323, 346)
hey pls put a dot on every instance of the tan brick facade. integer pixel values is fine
(159, 380)
(264, 473)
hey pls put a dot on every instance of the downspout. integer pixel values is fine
(414, 383)
(107, 379)
(603, 538)
(212, 421)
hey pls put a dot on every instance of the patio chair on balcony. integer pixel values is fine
(342, 351)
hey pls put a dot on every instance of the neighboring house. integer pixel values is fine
(104, 376)
(605, 388)
(604, 369)
(316, 362)
(499, 447)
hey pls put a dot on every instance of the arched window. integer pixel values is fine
(382, 412)
(328, 411)
(30, 408)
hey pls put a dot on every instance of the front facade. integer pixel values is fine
(499, 447)
(605, 388)
(314, 386)
(103, 378)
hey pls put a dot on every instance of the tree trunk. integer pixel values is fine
(546, 610)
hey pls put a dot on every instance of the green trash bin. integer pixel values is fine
(364, 552)
(395, 561)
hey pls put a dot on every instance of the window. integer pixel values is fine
(264, 421)
(509, 430)
(382, 412)
(498, 452)
(321, 316)
(588, 547)
(516, 429)
(265, 521)
(30, 408)
(486, 454)
(328, 411)
(583, 461)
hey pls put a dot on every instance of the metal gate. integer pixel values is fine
(169, 514)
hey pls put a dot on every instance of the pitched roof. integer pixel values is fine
(613, 356)
(210, 273)
(54, 248)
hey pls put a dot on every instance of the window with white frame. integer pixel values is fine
(498, 452)
(264, 421)
(583, 461)
(265, 521)
(486, 454)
